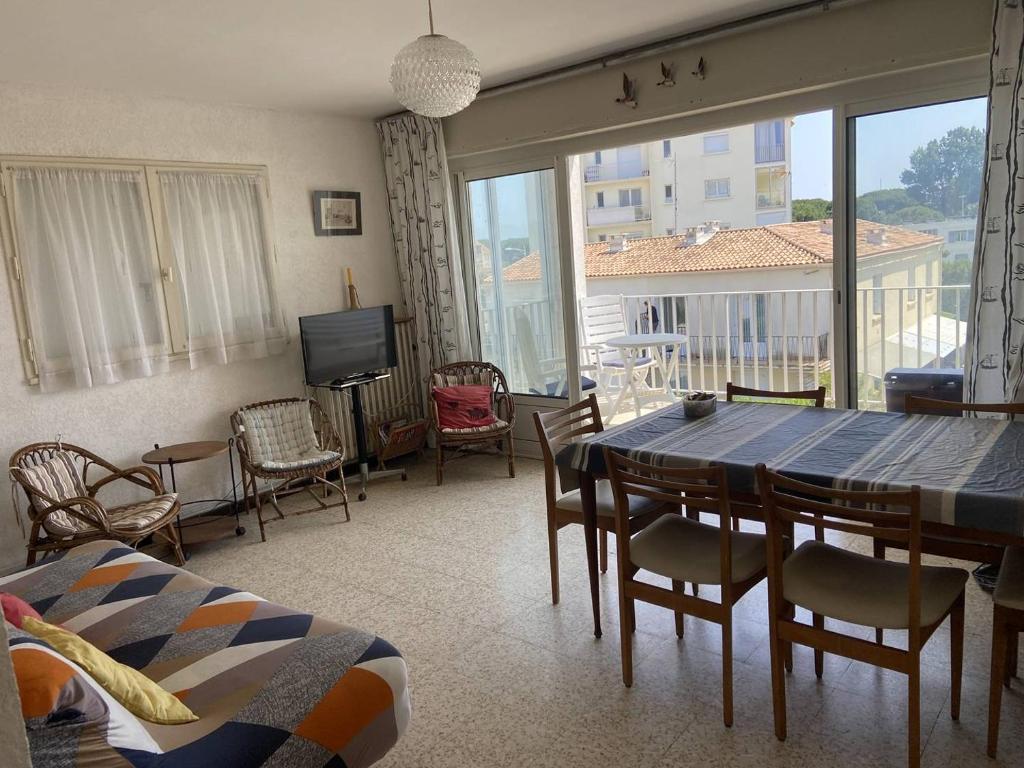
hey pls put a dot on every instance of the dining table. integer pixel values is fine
(970, 470)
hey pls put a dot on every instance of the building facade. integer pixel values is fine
(739, 177)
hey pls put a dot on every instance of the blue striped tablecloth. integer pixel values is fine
(971, 471)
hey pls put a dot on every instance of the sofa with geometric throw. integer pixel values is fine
(270, 685)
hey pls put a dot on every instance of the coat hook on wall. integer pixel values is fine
(699, 72)
(668, 78)
(628, 97)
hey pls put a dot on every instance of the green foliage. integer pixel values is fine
(812, 209)
(894, 206)
(954, 303)
(944, 174)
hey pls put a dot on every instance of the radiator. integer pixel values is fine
(396, 397)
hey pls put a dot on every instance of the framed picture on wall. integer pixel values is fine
(337, 213)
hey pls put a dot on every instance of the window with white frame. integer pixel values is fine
(120, 267)
(668, 193)
(771, 187)
(716, 188)
(716, 143)
(961, 236)
(666, 148)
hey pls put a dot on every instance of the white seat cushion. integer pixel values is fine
(305, 462)
(605, 501)
(279, 432)
(1009, 591)
(687, 550)
(864, 590)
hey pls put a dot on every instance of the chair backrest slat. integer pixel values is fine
(816, 396)
(918, 404)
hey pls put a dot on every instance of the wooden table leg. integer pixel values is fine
(588, 497)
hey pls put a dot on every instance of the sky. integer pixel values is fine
(884, 144)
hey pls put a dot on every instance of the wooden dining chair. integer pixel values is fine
(847, 586)
(682, 550)
(815, 396)
(919, 404)
(564, 502)
(1007, 624)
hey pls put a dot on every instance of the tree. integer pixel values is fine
(945, 173)
(812, 209)
(956, 272)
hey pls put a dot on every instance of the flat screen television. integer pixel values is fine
(343, 345)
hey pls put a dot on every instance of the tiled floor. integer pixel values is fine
(457, 578)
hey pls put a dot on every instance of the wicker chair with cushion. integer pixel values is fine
(500, 432)
(292, 445)
(64, 511)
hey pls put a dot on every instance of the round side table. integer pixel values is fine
(186, 453)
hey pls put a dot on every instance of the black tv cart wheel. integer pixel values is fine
(362, 496)
(240, 530)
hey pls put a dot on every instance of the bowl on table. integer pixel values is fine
(697, 404)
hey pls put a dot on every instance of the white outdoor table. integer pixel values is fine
(631, 346)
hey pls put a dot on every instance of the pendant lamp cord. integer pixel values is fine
(430, 14)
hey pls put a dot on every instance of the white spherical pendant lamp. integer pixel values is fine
(434, 75)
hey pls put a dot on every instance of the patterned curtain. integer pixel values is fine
(994, 366)
(426, 245)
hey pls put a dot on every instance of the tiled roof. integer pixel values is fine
(777, 245)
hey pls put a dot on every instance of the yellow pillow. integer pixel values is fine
(136, 692)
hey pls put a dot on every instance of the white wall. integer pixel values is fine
(303, 153)
(816, 52)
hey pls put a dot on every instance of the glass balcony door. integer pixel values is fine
(513, 230)
(915, 188)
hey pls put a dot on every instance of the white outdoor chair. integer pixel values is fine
(543, 377)
(603, 318)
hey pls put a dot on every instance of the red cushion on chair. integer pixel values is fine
(15, 609)
(464, 406)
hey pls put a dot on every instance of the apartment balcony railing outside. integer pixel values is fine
(769, 153)
(619, 214)
(769, 339)
(614, 172)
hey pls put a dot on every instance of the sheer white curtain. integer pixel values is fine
(90, 274)
(222, 264)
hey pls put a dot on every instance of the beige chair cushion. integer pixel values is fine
(279, 433)
(863, 590)
(130, 518)
(484, 377)
(686, 550)
(1009, 591)
(605, 499)
(58, 478)
(497, 426)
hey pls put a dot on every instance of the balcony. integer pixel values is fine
(779, 340)
(614, 172)
(769, 153)
(621, 214)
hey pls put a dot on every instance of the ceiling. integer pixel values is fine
(317, 55)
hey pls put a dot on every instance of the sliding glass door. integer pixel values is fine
(915, 187)
(515, 266)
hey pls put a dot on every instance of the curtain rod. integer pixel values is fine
(669, 43)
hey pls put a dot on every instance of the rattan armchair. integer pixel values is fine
(500, 433)
(63, 509)
(292, 445)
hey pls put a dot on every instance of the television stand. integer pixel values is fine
(359, 423)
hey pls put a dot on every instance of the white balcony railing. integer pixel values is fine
(620, 214)
(770, 339)
(615, 172)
